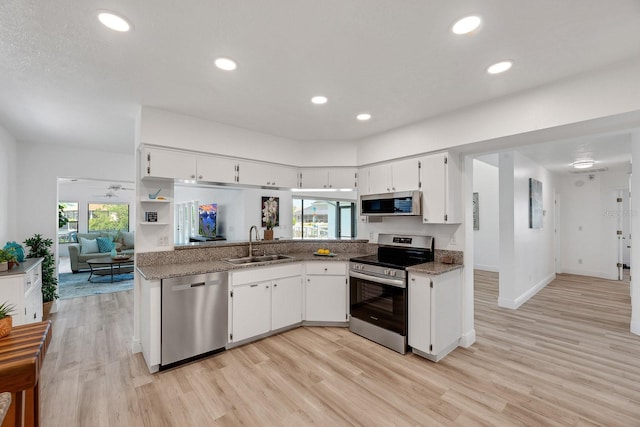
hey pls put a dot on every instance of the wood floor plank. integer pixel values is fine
(565, 358)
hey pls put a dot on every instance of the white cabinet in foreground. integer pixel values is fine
(326, 292)
(435, 313)
(22, 287)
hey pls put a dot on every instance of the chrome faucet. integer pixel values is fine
(253, 227)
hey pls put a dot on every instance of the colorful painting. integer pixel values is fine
(207, 219)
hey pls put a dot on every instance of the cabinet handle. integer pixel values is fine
(253, 286)
(193, 176)
(308, 280)
(199, 176)
(325, 269)
(34, 315)
(413, 279)
(275, 285)
(267, 286)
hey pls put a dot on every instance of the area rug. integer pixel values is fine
(77, 285)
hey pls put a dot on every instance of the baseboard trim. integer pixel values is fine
(635, 328)
(468, 338)
(136, 345)
(516, 303)
(589, 273)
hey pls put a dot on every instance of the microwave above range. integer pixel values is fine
(406, 203)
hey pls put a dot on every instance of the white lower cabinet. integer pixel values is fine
(326, 288)
(435, 313)
(286, 302)
(251, 309)
(262, 300)
(22, 287)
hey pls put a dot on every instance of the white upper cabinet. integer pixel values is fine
(328, 178)
(159, 163)
(267, 175)
(216, 169)
(403, 175)
(441, 189)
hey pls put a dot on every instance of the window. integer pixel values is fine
(108, 217)
(323, 219)
(67, 222)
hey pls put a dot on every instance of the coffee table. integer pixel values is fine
(116, 266)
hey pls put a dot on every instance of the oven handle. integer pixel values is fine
(391, 282)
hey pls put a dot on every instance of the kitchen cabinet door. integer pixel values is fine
(286, 302)
(405, 175)
(342, 178)
(363, 181)
(326, 299)
(216, 169)
(441, 189)
(251, 310)
(267, 175)
(380, 179)
(314, 178)
(435, 313)
(159, 163)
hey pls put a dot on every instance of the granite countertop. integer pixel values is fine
(433, 268)
(166, 271)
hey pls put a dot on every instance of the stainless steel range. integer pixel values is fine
(378, 288)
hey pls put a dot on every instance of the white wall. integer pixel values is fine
(635, 225)
(588, 223)
(40, 165)
(85, 192)
(526, 255)
(8, 175)
(486, 240)
(605, 93)
(159, 127)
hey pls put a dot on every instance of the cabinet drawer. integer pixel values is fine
(327, 268)
(261, 274)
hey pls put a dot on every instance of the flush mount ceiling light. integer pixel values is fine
(466, 25)
(363, 117)
(499, 67)
(583, 164)
(114, 21)
(319, 100)
(225, 64)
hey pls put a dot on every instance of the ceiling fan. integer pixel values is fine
(117, 187)
(109, 194)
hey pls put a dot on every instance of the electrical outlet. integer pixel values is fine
(453, 240)
(163, 241)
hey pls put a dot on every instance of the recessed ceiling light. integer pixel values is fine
(499, 67)
(583, 164)
(363, 116)
(466, 25)
(112, 20)
(319, 99)
(226, 64)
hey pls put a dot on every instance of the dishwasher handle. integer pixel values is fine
(178, 288)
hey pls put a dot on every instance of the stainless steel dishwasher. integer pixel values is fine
(194, 316)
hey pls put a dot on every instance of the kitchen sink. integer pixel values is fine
(256, 259)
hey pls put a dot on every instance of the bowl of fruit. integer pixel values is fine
(324, 252)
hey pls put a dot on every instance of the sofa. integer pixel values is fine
(88, 248)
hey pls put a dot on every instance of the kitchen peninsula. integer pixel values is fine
(302, 289)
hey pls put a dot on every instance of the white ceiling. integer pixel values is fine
(66, 79)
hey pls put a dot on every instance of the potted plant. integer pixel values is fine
(6, 322)
(269, 216)
(7, 257)
(41, 248)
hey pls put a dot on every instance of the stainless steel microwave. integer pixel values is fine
(405, 203)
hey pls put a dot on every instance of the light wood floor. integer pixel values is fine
(564, 358)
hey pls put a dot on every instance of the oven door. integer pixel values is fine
(379, 301)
